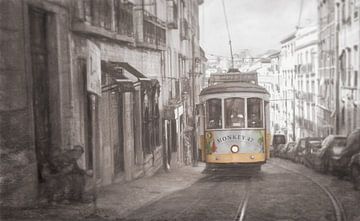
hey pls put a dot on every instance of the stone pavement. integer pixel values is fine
(115, 201)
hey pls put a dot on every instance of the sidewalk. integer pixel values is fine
(116, 200)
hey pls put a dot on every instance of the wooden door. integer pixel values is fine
(40, 75)
(118, 129)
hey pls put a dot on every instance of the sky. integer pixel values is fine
(258, 25)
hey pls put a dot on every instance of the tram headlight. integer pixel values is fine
(234, 148)
(252, 157)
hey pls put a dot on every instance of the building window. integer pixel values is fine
(343, 116)
(349, 69)
(172, 7)
(343, 14)
(356, 14)
(356, 78)
(343, 67)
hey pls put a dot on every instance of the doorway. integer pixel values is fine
(40, 77)
(117, 124)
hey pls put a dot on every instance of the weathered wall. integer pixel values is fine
(146, 61)
(18, 170)
(17, 157)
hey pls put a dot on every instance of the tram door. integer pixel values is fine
(39, 59)
(201, 132)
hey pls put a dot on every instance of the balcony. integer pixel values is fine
(172, 8)
(111, 19)
(124, 18)
(153, 32)
(309, 97)
(184, 29)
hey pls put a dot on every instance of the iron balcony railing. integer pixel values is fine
(104, 17)
(154, 31)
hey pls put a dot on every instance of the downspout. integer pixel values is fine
(337, 73)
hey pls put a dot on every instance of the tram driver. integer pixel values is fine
(234, 109)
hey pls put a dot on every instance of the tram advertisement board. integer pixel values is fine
(247, 141)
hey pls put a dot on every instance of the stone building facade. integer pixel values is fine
(287, 72)
(269, 77)
(349, 65)
(306, 81)
(327, 68)
(339, 38)
(90, 73)
(183, 57)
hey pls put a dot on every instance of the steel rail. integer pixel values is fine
(339, 209)
(192, 204)
(240, 213)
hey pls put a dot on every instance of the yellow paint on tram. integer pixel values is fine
(267, 145)
(236, 158)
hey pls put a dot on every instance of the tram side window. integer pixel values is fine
(214, 114)
(235, 113)
(255, 113)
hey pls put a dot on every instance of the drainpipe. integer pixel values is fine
(337, 72)
(94, 146)
(195, 149)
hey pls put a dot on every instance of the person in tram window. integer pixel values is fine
(237, 119)
(254, 122)
(234, 109)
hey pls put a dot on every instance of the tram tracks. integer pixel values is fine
(338, 208)
(240, 213)
(204, 198)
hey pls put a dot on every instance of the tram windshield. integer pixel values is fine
(238, 113)
(214, 114)
(255, 112)
(235, 112)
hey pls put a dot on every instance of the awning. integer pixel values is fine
(134, 74)
(132, 71)
(119, 80)
(126, 76)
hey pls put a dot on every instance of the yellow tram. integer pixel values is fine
(234, 124)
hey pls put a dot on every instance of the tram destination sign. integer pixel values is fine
(249, 141)
(250, 77)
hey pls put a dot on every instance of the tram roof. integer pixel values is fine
(233, 87)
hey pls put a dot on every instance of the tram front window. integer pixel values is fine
(214, 114)
(255, 113)
(234, 113)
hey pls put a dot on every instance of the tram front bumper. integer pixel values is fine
(237, 158)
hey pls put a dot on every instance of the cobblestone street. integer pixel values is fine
(282, 190)
(180, 110)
